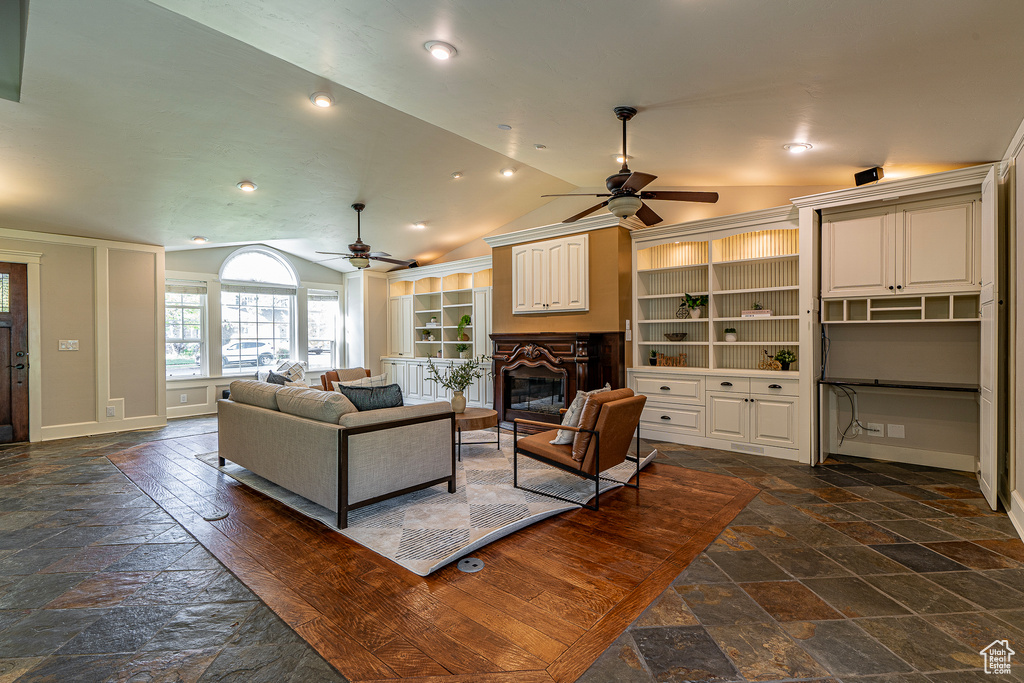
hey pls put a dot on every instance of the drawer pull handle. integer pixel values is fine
(666, 388)
(665, 417)
(726, 384)
(774, 386)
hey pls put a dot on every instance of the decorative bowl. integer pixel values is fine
(675, 336)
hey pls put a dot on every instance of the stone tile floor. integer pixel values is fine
(855, 571)
(98, 584)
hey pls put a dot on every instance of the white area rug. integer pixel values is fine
(425, 530)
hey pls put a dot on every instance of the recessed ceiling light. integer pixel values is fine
(321, 99)
(504, 126)
(540, 146)
(457, 174)
(199, 239)
(440, 49)
(508, 172)
(419, 226)
(797, 147)
(246, 186)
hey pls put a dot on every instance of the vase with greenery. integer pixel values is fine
(730, 334)
(785, 357)
(463, 350)
(460, 332)
(457, 376)
(695, 304)
(653, 358)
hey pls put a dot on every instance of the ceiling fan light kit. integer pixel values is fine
(624, 206)
(359, 255)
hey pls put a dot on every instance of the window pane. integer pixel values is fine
(323, 328)
(184, 333)
(255, 266)
(183, 360)
(255, 332)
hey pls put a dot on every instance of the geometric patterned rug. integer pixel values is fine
(425, 530)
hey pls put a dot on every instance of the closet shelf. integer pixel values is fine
(758, 290)
(674, 320)
(667, 269)
(762, 259)
(762, 317)
(674, 295)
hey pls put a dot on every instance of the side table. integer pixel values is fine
(476, 418)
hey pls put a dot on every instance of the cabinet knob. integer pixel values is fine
(665, 417)
(891, 288)
(774, 386)
(726, 384)
(899, 286)
(746, 400)
(666, 388)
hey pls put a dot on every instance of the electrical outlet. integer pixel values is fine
(876, 429)
(897, 432)
(854, 430)
(67, 345)
(184, 398)
(111, 411)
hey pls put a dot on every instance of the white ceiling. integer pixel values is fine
(138, 118)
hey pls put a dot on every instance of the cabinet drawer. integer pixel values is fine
(774, 387)
(678, 419)
(683, 389)
(730, 384)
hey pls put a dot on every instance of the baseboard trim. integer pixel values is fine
(721, 444)
(1016, 511)
(77, 429)
(191, 410)
(913, 456)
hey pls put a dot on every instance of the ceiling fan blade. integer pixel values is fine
(334, 253)
(647, 216)
(637, 181)
(581, 214)
(333, 258)
(707, 197)
(374, 254)
(577, 195)
(392, 260)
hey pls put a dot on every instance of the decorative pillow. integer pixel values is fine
(323, 406)
(255, 393)
(292, 370)
(589, 415)
(373, 398)
(274, 378)
(375, 381)
(350, 374)
(572, 415)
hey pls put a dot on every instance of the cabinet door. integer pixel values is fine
(988, 415)
(482, 345)
(395, 326)
(857, 254)
(473, 392)
(413, 381)
(773, 421)
(575, 285)
(557, 286)
(937, 247)
(521, 275)
(405, 328)
(530, 278)
(728, 416)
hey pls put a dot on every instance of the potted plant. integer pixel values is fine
(653, 358)
(460, 333)
(757, 306)
(695, 303)
(785, 357)
(730, 334)
(463, 350)
(457, 376)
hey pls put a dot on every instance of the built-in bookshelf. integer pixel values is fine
(956, 308)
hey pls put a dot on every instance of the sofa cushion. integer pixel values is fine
(572, 415)
(375, 381)
(323, 406)
(373, 398)
(588, 419)
(255, 393)
(370, 417)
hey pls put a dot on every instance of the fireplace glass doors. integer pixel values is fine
(533, 392)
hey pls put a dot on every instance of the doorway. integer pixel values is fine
(13, 352)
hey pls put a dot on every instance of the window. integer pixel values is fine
(184, 328)
(323, 312)
(257, 310)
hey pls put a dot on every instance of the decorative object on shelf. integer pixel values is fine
(769, 363)
(424, 336)
(785, 357)
(672, 361)
(653, 358)
(682, 312)
(439, 353)
(756, 310)
(457, 376)
(433, 321)
(430, 337)
(757, 306)
(695, 304)
(730, 334)
(676, 336)
(460, 333)
(463, 350)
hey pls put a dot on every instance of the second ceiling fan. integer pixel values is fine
(626, 188)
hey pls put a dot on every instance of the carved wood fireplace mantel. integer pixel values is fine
(536, 374)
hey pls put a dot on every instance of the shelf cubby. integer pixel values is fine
(902, 309)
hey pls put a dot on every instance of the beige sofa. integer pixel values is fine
(310, 443)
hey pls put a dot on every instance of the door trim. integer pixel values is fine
(35, 350)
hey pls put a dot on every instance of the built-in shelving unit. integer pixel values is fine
(954, 308)
(438, 304)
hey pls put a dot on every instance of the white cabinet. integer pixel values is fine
(728, 416)
(773, 420)
(919, 248)
(551, 276)
(400, 326)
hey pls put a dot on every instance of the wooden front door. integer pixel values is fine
(13, 352)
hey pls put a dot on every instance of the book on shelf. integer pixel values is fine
(759, 313)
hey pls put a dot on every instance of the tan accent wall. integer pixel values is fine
(133, 338)
(610, 290)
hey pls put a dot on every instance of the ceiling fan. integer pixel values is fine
(626, 188)
(359, 252)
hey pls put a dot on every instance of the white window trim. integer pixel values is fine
(339, 346)
(204, 326)
(266, 251)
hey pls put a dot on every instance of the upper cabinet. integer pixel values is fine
(915, 248)
(551, 276)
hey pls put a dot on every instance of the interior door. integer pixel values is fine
(13, 352)
(989, 373)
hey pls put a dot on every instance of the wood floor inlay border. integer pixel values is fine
(551, 599)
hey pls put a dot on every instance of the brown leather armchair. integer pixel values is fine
(341, 375)
(602, 440)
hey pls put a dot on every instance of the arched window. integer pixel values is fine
(258, 287)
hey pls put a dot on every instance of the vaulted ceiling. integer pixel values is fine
(137, 118)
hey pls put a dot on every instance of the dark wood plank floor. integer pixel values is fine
(551, 599)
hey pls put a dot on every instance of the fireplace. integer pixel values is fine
(535, 375)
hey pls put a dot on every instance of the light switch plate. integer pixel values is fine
(67, 345)
(184, 398)
(111, 411)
